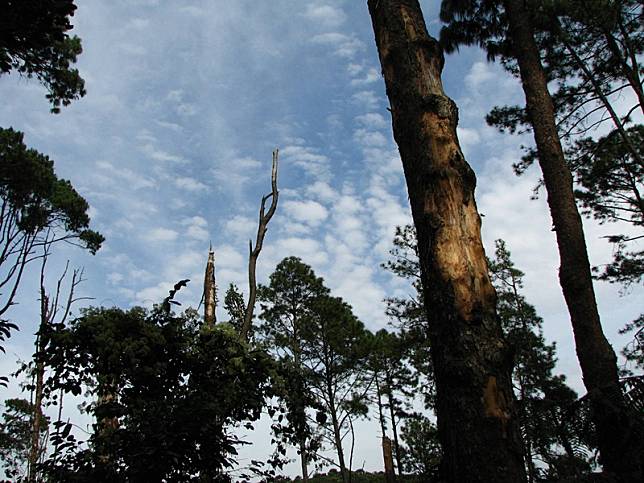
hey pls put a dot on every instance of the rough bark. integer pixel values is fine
(477, 422)
(390, 476)
(210, 292)
(620, 450)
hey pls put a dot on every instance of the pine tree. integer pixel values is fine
(533, 375)
(472, 365)
(287, 306)
(510, 29)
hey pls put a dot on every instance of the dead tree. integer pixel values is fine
(264, 218)
(210, 292)
(54, 309)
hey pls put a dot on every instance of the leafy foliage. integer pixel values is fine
(422, 453)
(34, 42)
(544, 400)
(322, 346)
(15, 436)
(409, 313)
(167, 394)
(38, 210)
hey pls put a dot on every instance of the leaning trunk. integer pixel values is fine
(618, 443)
(477, 423)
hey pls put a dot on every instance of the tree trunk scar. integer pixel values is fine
(495, 403)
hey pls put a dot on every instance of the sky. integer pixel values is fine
(171, 146)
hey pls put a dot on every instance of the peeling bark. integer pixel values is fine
(477, 423)
(210, 292)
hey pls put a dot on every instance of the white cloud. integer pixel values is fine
(161, 235)
(196, 228)
(343, 45)
(308, 159)
(240, 227)
(372, 120)
(322, 191)
(310, 212)
(368, 138)
(479, 73)
(366, 99)
(190, 184)
(326, 15)
(372, 75)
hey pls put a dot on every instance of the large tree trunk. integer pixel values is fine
(618, 444)
(477, 423)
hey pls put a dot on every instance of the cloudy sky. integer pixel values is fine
(172, 147)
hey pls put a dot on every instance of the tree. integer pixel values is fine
(393, 379)
(539, 391)
(287, 305)
(264, 218)
(175, 392)
(611, 182)
(409, 313)
(589, 52)
(38, 210)
(509, 28)
(34, 42)
(235, 306)
(335, 347)
(471, 361)
(16, 436)
(422, 451)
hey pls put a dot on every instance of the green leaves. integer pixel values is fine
(167, 393)
(34, 42)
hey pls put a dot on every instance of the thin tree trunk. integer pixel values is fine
(34, 453)
(304, 460)
(617, 443)
(477, 423)
(390, 476)
(394, 428)
(337, 437)
(297, 353)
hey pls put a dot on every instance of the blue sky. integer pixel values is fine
(172, 148)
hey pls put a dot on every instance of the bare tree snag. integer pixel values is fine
(477, 423)
(53, 310)
(210, 292)
(264, 218)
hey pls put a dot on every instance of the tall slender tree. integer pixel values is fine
(477, 421)
(508, 28)
(287, 305)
